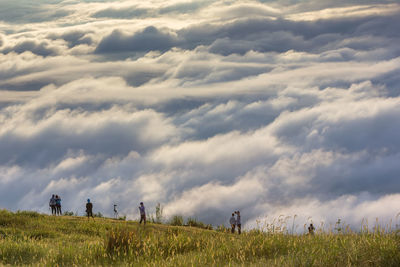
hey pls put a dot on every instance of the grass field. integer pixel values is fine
(29, 238)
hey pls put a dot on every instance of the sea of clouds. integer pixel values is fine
(267, 107)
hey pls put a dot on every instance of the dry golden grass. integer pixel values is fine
(28, 238)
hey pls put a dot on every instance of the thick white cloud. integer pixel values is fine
(268, 107)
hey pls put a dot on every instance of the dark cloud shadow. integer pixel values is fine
(259, 34)
(38, 48)
(73, 38)
(147, 40)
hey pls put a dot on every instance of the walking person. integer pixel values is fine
(238, 222)
(89, 209)
(232, 221)
(58, 205)
(142, 213)
(52, 204)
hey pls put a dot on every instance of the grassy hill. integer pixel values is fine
(29, 238)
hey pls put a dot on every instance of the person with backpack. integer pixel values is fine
(142, 213)
(52, 204)
(58, 205)
(89, 209)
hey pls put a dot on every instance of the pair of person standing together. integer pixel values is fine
(236, 222)
(55, 205)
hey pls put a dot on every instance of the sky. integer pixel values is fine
(275, 108)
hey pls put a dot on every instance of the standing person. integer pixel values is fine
(232, 221)
(311, 229)
(238, 222)
(89, 209)
(58, 205)
(115, 211)
(142, 213)
(52, 204)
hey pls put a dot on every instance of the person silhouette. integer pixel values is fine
(52, 204)
(311, 229)
(115, 211)
(142, 213)
(58, 205)
(89, 209)
(232, 221)
(238, 222)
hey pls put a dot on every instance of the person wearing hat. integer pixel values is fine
(89, 209)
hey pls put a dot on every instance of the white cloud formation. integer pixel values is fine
(268, 107)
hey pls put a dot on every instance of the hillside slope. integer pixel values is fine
(29, 238)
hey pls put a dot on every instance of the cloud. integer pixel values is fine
(122, 13)
(32, 72)
(68, 130)
(74, 38)
(41, 49)
(313, 10)
(183, 8)
(257, 34)
(28, 12)
(268, 107)
(147, 40)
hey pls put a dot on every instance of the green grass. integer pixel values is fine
(28, 238)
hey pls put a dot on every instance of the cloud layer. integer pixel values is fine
(268, 107)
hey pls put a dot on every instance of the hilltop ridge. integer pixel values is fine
(30, 238)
